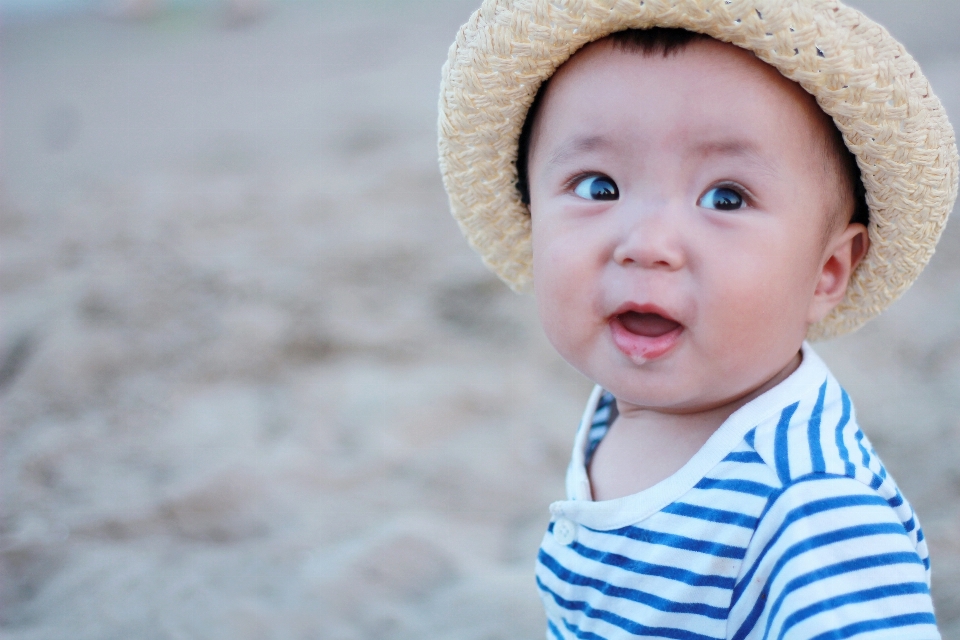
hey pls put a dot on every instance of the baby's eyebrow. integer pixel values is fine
(580, 144)
(736, 148)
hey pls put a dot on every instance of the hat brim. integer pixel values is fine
(858, 73)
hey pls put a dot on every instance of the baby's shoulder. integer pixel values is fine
(819, 472)
(842, 497)
(818, 438)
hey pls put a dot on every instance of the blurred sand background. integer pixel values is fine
(254, 383)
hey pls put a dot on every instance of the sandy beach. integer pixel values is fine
(253, 382)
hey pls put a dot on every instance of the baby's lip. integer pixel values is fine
(647, 320)
(644, 332)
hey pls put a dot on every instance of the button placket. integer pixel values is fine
(565, 531)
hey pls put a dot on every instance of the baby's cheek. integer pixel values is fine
(556, 301)
(562, 303)
(556, 265)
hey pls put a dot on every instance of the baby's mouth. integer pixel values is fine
(648, 325)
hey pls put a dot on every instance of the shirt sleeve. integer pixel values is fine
(831, 559)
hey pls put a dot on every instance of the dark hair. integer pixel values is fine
(665, 42)
(853, 179)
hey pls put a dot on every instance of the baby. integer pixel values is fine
(692, 216)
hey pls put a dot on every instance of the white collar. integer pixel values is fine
(613, 514)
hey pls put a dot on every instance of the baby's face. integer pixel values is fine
(678, 208)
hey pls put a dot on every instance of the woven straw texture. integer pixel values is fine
(862, 77)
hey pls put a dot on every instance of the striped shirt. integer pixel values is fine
(785, 525)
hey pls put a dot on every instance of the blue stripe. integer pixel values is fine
(849, 469)
(744, 456)
(751, 620)
(808, 478)
(910, 524)
(893, 622)
(578, 632)
(677, 542)
(588, 635)
(618, 621)
(602, 413)
(780, 450)
(634, 595)
(740, 486)
(865, 595)
(552, 628)
(646, 568)
(813, 542)
(803, 511)
(595, 438)
(597, 429)
(711, 515)
(896, 500)
(600, 424)
(813, 432)
(848, 566)
(863, 450)
(751, 437)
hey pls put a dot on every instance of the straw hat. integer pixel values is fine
(859, 75)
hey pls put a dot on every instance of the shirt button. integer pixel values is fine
(565, 531)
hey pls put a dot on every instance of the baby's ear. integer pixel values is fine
(843, 253)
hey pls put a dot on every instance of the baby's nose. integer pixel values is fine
(650, 239)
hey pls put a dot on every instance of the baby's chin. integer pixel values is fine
(673, 386)
(659, 385)
(677, 403)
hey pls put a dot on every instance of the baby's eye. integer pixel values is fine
(597, 188)
(722, 198)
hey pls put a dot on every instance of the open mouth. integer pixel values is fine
(644, 334)
(648, 325)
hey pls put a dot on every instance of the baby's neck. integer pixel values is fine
(645, 446)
